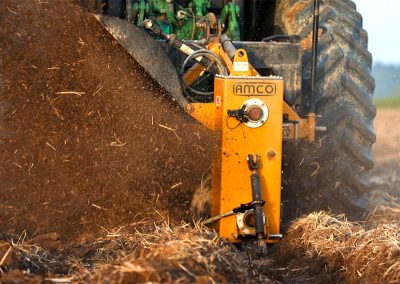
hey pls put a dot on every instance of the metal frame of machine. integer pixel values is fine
(249, 114)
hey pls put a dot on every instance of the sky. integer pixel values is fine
(382, 22)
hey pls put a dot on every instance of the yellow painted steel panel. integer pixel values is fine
(234, 141)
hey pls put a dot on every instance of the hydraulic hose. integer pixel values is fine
(228, 46)
(218, 68)
(258, 203)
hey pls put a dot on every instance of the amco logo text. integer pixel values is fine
(256, 89)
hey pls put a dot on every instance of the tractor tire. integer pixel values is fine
(332, 173)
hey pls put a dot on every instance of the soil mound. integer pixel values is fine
(188, 254)
(88, 140)
(337, 246)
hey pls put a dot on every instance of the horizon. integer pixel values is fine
(379, 20)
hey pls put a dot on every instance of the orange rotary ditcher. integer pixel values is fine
(247, 163)
(250, 119)
(250, 94)
(249, 116)
(248, 112)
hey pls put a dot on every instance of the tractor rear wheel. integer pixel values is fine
(332, 173)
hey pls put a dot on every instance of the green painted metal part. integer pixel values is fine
(160, 11)
(140, 11)
(187, 27)
(163, 9)
(186, 22)
(199, 7)
(229, 21)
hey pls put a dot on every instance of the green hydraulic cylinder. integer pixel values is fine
(229, 21)
(140, 11)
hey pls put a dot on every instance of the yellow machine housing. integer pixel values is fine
(235, 141)
(249, 118)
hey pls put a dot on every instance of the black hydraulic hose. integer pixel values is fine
(258, 203)
(228, 46)
(291, 38)
(314, 55)
(215, 64)
(178, 44)
(148, 24)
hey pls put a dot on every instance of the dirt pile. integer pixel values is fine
(318, 248)
(88, 140)
(383, 214)
(186, 255)
(335, 245)
(150, 251)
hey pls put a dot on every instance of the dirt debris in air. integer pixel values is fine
(89, 141)
(91, 170)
